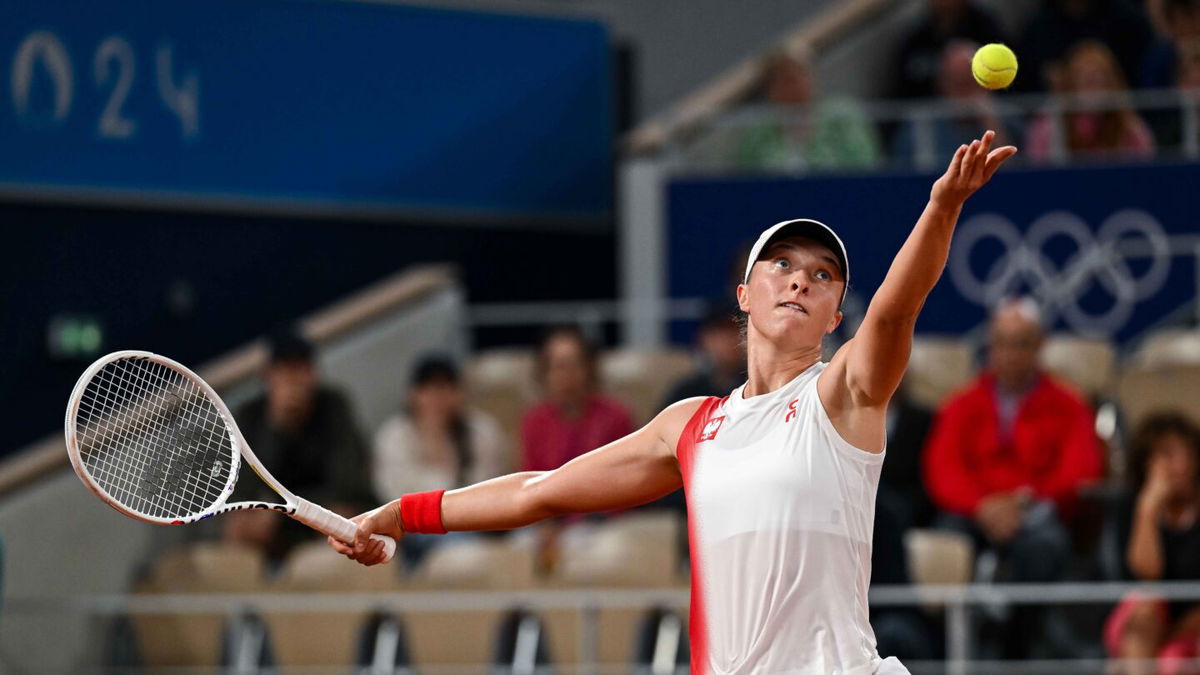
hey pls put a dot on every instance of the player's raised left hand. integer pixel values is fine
(972, 166)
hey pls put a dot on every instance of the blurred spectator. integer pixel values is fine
(435, 443)
(1180, 25)
(828, 133)
(306, 434)
(1188, 75)
(977, 109)
(1168, 123)
(1059, 24)
(722, 362)
(1101, 122)
(921, 52)
(1006, 458)
(574, 418)
(901, 490)
(1160, 535)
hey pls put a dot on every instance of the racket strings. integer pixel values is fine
(157, 422)
(126, 435)
(152, 439)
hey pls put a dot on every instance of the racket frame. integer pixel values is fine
(313, 515)
(240, 449)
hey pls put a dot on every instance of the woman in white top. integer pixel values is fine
(437, 442)
(780, 475)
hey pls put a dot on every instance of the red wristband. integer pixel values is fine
(421, 512)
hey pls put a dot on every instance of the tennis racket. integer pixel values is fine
(155, 442)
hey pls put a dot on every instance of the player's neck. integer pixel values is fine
(769, 369)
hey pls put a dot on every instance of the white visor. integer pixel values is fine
(801, 227)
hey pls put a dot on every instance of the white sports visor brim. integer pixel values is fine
(801, 227)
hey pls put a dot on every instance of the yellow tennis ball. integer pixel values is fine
(994, 66)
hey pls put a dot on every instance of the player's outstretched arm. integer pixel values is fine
(636, 469)
(877, 356)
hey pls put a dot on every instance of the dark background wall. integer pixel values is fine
(193, 285)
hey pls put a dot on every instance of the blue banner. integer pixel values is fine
(1108, 251)
(330, 102)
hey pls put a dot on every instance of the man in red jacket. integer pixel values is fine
(1007, 455)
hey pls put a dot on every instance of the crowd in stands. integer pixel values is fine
(1002, 463)
(1091, 54)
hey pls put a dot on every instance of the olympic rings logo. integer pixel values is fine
(1059, 283)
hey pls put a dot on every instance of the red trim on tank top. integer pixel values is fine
(685, 452)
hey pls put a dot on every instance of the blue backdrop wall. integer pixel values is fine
(321, 101)
(1108, 251)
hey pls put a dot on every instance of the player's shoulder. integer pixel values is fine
(677, 415)
(671, 422)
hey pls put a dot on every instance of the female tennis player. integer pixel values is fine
(780, 475)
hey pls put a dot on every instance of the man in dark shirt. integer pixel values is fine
(306, 436)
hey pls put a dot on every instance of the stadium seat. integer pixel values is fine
(502, 383)
(939, 557)
(641, 378)
(478, 563)
(194, 640)
(621, 636)
(1169, 346)
(314, 566)
(1146, 389)
(327, 638)
(938, 366)
(1087, 364)
(454, 638)
(636, 550)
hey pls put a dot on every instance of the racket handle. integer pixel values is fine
(331, 524)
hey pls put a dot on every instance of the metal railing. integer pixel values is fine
(713, 146)
(958, 602)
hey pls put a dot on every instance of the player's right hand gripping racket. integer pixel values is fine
(156, 443)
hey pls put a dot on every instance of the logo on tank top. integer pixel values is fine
(711, 429)
(791, 413)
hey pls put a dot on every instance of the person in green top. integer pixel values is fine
(811, 132)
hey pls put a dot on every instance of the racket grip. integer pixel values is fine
(331, 524)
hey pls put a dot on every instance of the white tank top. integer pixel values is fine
(780, 516)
